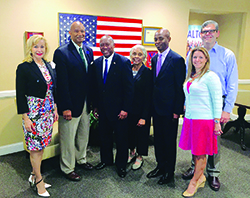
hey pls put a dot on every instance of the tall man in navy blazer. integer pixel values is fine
(72, 62)
(168, 100)
(114, 94)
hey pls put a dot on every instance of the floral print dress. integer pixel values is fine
(41, 113)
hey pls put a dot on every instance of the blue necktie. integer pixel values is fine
(105, 71)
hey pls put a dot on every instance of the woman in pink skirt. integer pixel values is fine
(203, 108)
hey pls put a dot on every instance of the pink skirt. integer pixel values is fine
(198, 136)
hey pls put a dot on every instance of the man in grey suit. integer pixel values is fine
(72, 61)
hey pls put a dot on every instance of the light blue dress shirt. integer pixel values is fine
(223, 63)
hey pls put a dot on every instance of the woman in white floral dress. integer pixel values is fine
(35, 92)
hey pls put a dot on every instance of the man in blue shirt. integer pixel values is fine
(223, 63)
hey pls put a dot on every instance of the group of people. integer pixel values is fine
(125, 96)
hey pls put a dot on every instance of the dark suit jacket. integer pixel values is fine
(30, 82)
(143, 83)
(117, 93)
(168, 95)
(72, 78)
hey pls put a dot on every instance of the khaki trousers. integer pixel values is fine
(74, 137)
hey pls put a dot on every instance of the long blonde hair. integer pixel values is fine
(191, 68)
(33, 40)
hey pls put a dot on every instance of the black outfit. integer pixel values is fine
(141, 106)
(168, 98)
(30, 82)
(110, 98)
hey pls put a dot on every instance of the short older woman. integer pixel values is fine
(35, 91)
(202, 116)
(139, 118)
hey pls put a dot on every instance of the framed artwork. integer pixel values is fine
(148, 35)
(150, 55)
(30, 34)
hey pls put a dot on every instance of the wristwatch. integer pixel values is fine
(216, 121)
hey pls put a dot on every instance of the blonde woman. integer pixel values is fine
(203, 106)
(35, 92)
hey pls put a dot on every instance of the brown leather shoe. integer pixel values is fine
(87, 166)
(214, 183)
(188, 174)
(73, 176)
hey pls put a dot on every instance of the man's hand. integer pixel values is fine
(225, 116)
(122, 115)
(141, 122)
(175, 116)
(67, 115)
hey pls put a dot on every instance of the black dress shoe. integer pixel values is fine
(100, 166)
(165, 179)
(121, 172)
(214, 183)
(73, 176)
(155, 173)
(188, 174)
(87, 166)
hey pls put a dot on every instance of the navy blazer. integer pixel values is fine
(117, 93)
(30, 82)
(168, 95)
(143, 84)
(72, 78)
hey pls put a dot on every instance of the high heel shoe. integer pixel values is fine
(45, 194)
(198, 185)
(32, 182)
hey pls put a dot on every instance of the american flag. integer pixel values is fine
(126, 32)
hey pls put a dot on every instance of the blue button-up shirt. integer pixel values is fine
(223, 63)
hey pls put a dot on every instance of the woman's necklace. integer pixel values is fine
(196, 75)
(136, 68)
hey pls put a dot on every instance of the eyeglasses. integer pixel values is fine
(208, 31)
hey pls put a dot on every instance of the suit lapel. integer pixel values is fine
(86, 53)
(154, 65)
(99, 69)
(138, 75)
(76, 53)
(112, 67)
(165, 64)
(37, 71)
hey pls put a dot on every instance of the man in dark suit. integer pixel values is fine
(168, 100)
(114, 93)
(72, 62)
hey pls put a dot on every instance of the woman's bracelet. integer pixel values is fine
(216, 121)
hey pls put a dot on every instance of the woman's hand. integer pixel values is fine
(28, 125)
(55, 115)
(141, 122)
(217, 129)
